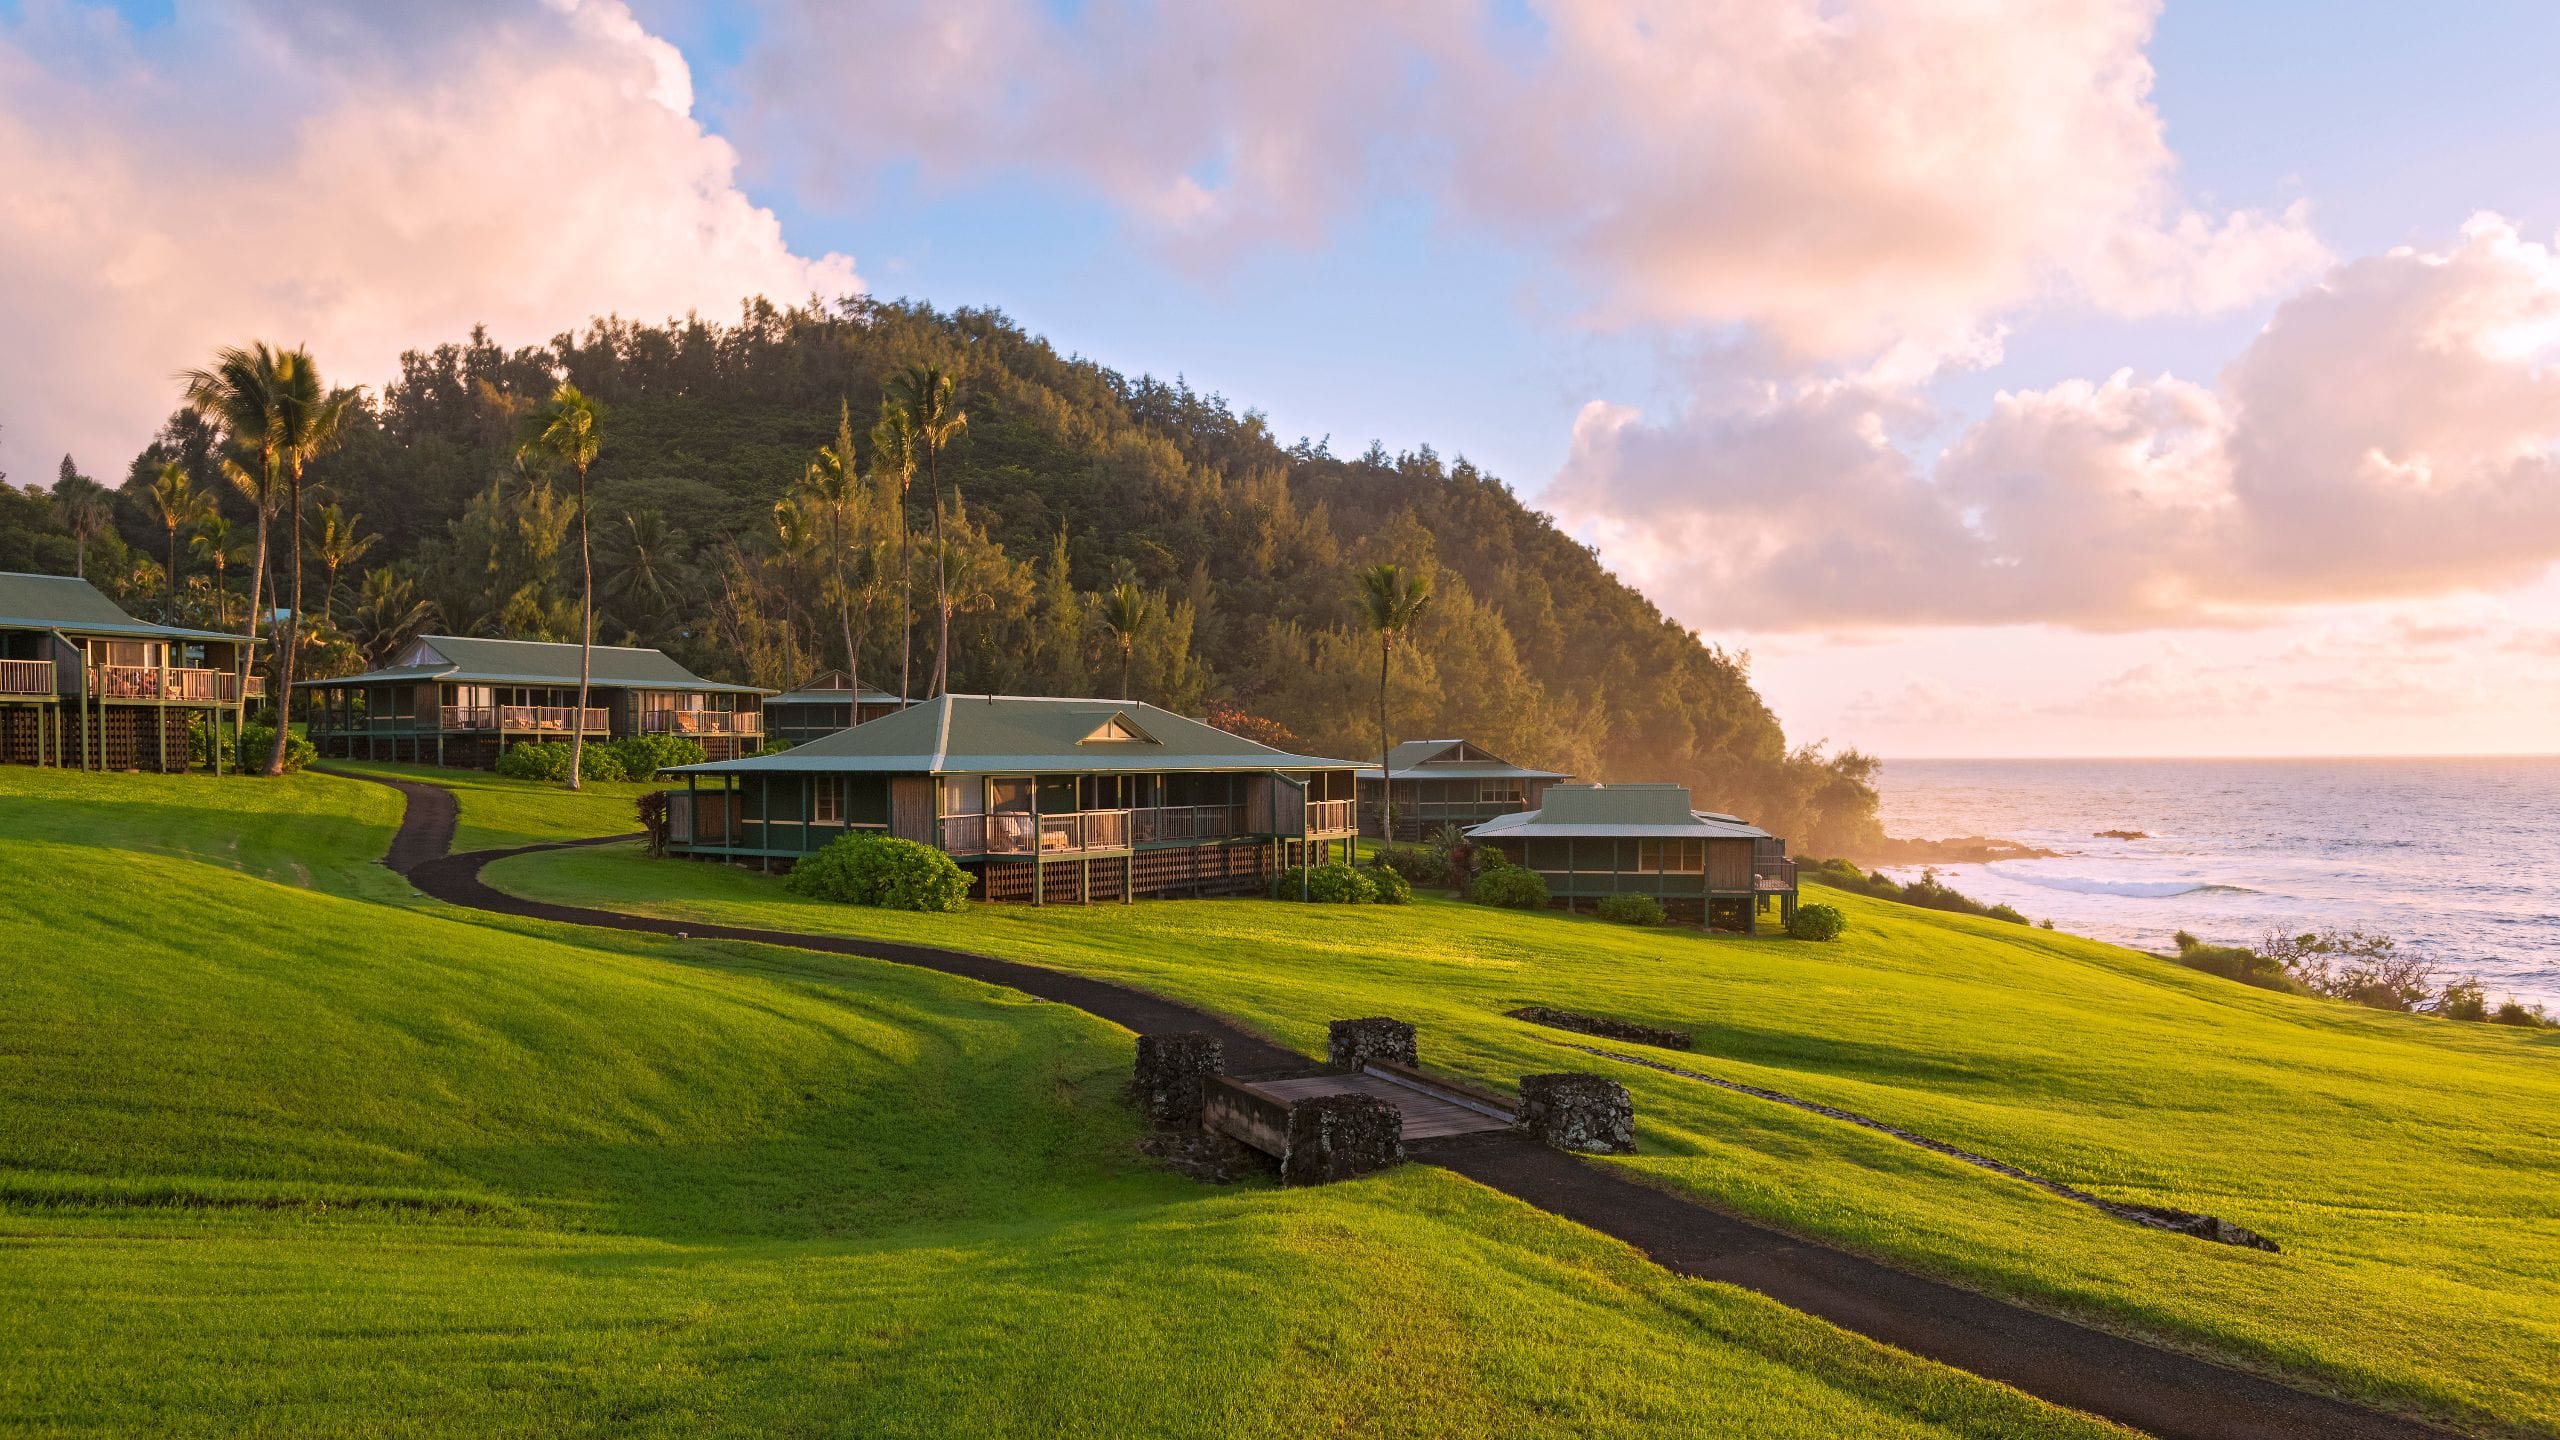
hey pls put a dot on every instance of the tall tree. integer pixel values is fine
(341, 541)
(238, 394)
(389, 613)
(926, 396)
(893, 464)
(795, 538)
(310, 420)
(567, 429)
(174, 495)
(1126, 612)
(1390, 602)
(86, 512)
(212, 544)
(835, 482)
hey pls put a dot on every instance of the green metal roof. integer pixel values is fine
(964, 734)
(472, 660)
(1420, 760)
(1602, 811)
(832, 687)
(74, 606)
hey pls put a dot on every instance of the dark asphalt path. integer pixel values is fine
(2175, 1396)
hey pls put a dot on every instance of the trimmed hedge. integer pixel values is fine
(879, 870)
(549, 760)
(1393, 887)
(1818, 922)
(1632, 909)
(1335, 884)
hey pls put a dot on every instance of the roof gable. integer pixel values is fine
(954, 734)
(67, 602)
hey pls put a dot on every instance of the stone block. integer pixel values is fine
(1349, 1042)
(1167, 1083)
(1334, 1137)
(1574, 1111)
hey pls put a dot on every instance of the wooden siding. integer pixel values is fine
(911, 808)
(1728, 864)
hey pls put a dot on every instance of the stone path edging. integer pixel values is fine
(2163, 1392)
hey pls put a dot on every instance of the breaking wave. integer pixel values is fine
(2132, 889)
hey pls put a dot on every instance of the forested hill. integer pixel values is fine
(1070, 478)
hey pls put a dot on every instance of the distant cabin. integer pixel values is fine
(84, 684)
(460, 700)
(1590, 842)
(1044, 800)
(828, 703)
(1446, 782)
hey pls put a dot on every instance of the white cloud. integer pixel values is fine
(362, 179)
(2390, 433)
(1842, 175)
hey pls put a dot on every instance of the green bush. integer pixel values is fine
(2516, 1012)
(2232, 962)
(1818, 922)
(1335, 884)
(643, 756)
(1393, 887)
(2463, 999)
(878, 870)
(1511, 886)
(1416, 863)
(258, 741)
(1632, 909)
(549, 760)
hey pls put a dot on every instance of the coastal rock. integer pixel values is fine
(2121, 835)
(1347, 1043)
(1334, 1137)
(1167, 1083)
(1572, 1110)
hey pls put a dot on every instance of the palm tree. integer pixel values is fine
(795, 538)
(310, 418)
(953, 570)
(893, 467)
(924, 395)
(238, 394)
(174, 494)
(86, 512)
(1390, 601)
(565, 430)
(388, 615)
(835, 482)
(1126, 611)
(339, 544)
(212, 543)
(645, 574)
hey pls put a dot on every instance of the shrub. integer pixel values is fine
(643, 756)
(1335, 884)
(2356, 965)
(549, 760)
(1927, 892)
(1393, 888)
(1416, 863)
(1818, 922)
(1632, 910)
(257, 741)
(878, 870)
(2463, 999)
(2232, 962)
(2516, 1012)
(655, 820)
(1514, 887)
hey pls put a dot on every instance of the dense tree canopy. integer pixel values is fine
(1067, 482)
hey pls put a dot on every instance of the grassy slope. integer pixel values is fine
(274, 1156)
(497, 813)
(2405, 1164)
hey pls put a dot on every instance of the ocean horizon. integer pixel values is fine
(2456, 857)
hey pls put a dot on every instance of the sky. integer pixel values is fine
(2003, 377)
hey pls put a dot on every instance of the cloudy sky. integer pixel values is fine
(2006, 376)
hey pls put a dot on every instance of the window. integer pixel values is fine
(964, 795)
(1676, 857)
(1009, 797)
(829, 809)
(1498, 792)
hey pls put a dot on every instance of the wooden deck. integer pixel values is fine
(1426, 1116)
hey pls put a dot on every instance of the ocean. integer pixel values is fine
(2458, 859)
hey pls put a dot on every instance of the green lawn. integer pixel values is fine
(277, 1156)
(2406, 1165)
(498, 813)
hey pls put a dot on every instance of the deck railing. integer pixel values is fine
(152, 682)
(1185, 822)
(1773, 873)
(1329, 816)
(26, 677)
(1017, 834)
(702, 722)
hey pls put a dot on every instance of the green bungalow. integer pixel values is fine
(83, 683)
(1045, 800)
(1447, 782)
(1590, 842)
(460, 700)
(828, 703)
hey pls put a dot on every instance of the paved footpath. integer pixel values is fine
(2162, 1392)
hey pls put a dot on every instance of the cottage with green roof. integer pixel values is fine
(1044, 800)
(1590, 842)
(462, 700)
(83, 683)
(1446, 782)
(828, 703)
